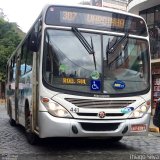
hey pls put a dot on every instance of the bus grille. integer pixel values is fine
(92, 103)
(96, 114)
(99, 126)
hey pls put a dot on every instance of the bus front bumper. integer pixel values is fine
(50, 126)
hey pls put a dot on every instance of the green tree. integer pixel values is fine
(10, 37)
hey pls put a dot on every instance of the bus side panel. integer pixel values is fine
(25, 94)
(11, 99)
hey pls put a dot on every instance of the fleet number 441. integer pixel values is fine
(75, 110)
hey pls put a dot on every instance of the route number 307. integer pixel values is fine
(75, 110)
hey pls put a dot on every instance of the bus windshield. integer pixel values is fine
(122, 64)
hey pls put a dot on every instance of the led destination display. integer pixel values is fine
(95, 19)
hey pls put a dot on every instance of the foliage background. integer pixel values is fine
(10, 37)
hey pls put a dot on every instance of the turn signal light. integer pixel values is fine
(44, 100)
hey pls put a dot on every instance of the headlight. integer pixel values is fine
(140, 111)
(143, 108)
(55, 109)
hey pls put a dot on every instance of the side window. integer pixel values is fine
(38, 31)
(26, 53)
(12, 70)
(26, 59)
(23, 59)
(10, 73)
(29, 59)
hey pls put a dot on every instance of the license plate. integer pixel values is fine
(138, 127)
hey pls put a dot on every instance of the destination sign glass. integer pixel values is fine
(95, 19)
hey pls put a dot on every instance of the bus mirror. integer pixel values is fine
(33, 42)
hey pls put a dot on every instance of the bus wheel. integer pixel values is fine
(115, 139)
(32, 138)
(12, 122)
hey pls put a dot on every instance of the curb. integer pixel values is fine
(154, 129)
(2, 101)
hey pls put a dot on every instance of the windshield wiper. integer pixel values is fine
(109, 50)
(87, 46)
(116, 45)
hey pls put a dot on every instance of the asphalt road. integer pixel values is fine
(13, 146)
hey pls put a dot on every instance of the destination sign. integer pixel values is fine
(95, 19)
(76, 81)
(91, 19)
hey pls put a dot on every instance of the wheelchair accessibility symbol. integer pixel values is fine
(95, 85)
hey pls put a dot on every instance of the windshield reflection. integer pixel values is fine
(127, 63)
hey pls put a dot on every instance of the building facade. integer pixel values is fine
(117, 4)
(150, 11)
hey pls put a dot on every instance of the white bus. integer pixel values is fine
(81, 72)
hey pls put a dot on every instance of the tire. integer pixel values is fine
(31, 137)
(12, 122)
(115, 139)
